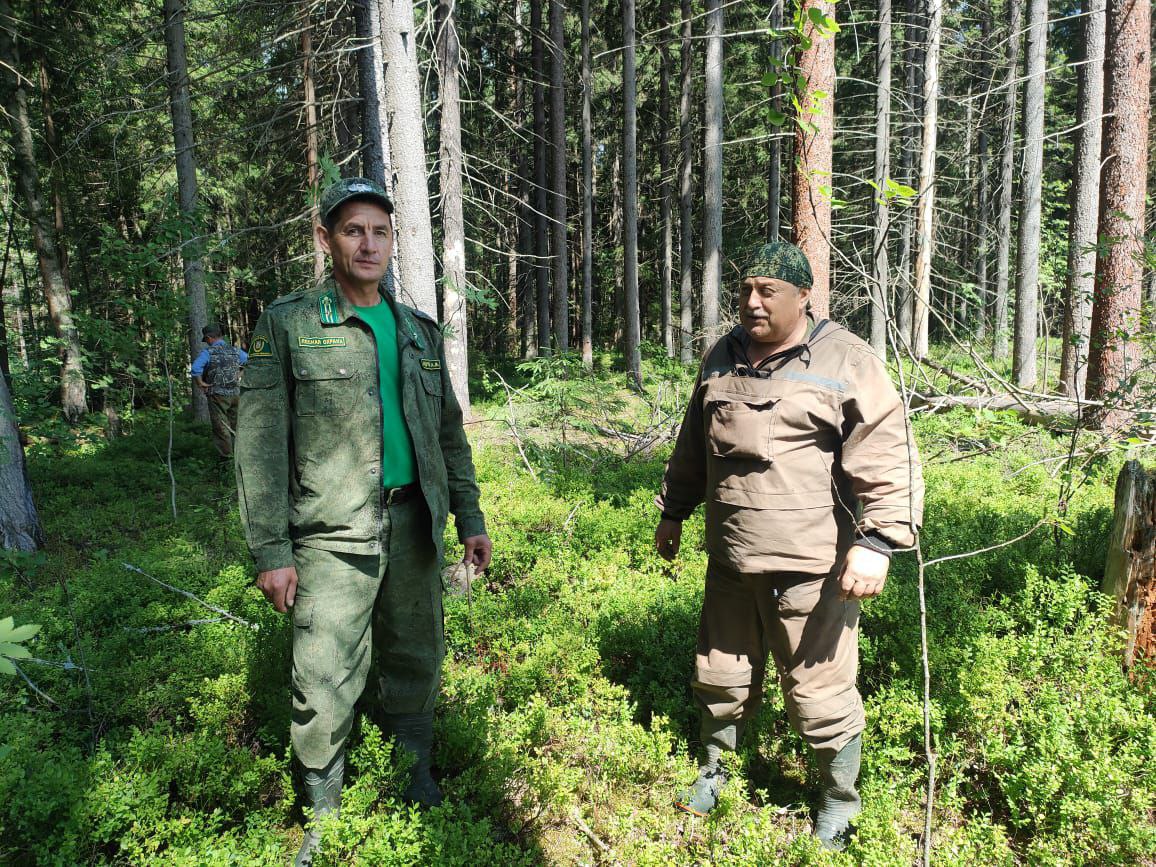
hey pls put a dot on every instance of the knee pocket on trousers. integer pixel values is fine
(314, 658)
(724, 678)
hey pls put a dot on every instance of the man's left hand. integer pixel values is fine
(864, 573)
(478, 552)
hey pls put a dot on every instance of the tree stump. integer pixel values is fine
(1130, 571)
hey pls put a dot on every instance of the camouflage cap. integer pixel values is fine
(345, 189)
(782, 261)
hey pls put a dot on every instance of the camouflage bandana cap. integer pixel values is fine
(345, 189)
(781, 261)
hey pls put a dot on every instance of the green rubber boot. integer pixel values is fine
(718, 736)
(839, 800)
(413, 732)
(323, 796)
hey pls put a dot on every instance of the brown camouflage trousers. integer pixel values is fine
(812, 636)
(223, 415)
(357, 610)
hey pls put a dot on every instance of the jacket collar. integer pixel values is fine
(335, 309)
(739, 342)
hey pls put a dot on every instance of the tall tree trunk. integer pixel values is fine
(19, 523)
(685, 197)
(811, 217)
(194, 268)
(376, 163)
(453, 225)
(527, 299)
(1007, 179)
(587, 195)
(1081, 278)
(712, 172)
(73, 389)
(415, 260)
(880, 288)
(667, 188)
(1116, 306)
(312, 147)
(1028, 272)
(541, 227)
(983, 203)
(559, 242)
(914, 36)
(775, 141)
(925, 225)
(630, 197)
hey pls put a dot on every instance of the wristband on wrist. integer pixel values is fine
(876, 543)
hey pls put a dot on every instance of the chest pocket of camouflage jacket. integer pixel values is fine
(741, 426)
(322, 389)
(431, 381)
(262, 398)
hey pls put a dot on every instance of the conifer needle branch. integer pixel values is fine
(189, 595)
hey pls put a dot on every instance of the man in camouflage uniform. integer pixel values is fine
(350, 454)
(798, 443)
(217, 371)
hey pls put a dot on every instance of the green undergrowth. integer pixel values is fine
(566, 725)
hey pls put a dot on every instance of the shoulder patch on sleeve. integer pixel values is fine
(260, 347)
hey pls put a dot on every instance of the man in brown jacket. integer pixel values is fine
(798, 443)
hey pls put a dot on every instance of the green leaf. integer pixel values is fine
(6, 667)
(14, 651)
(776, 117)
(20, 633)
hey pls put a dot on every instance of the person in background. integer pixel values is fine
(798, 443)
(350, 455)
(217, 372)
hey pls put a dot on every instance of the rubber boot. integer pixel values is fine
(413, 733)
(839, 800)
(718, 736)
(323, 797)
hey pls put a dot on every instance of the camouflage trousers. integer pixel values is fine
(354, 610)
(812, 635)
(223, 415)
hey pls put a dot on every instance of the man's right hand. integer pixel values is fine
(667, 538)
(279, 587)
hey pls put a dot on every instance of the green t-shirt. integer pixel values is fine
(398, 466)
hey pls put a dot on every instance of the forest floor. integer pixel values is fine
(144, 734)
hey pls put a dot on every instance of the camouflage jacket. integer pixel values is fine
(308, 447)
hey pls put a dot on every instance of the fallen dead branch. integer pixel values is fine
(192, 596)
